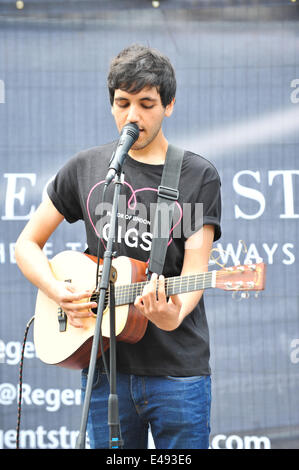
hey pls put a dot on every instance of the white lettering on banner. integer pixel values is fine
(16, 193)
(40, 438)
(10, 353)
(52, 399)
(256, 195)
(74, 246)
(8, 393)
(249, 193)
(48, 249)
(231, 255)
(2, 253)
(7, 252)
(12, 253)
(2, 92)
(269, 252)
(295, 352)
(13, 195)
(222, 441)
(287, 177)
(295, 93)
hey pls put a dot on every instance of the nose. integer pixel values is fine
(133, 115)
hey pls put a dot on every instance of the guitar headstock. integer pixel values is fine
(250, 277)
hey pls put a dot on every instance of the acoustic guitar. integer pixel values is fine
(59, 343)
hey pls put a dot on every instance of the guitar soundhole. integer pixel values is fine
(95, 298)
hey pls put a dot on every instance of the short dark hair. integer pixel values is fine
(136, 67)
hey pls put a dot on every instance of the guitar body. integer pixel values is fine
(71, 348)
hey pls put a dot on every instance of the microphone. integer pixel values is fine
(129, 134)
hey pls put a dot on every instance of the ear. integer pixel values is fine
(169, 108)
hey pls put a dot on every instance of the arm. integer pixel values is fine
(169, 315)
(35, 266)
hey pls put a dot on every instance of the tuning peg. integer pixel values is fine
(238, 295)
(245, 295)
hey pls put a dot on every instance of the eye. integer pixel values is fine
(123, 105)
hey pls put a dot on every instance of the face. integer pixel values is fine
(144, 109)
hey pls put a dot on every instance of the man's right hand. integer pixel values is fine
(76, 304)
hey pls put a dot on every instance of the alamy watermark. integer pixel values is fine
(295, 93)
(294, 354)
(157, 222)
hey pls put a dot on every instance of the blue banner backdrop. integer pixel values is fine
(237, 105)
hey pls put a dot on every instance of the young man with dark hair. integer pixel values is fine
(163, 380)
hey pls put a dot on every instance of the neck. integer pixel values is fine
(126, 294)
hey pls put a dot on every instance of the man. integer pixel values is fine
(163, 380)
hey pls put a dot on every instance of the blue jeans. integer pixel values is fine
(176, 408)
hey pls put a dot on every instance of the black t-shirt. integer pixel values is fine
(77, 192)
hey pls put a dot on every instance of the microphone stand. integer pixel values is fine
(108, 277)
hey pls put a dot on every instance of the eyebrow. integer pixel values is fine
(145, 98)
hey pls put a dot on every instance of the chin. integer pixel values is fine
(139, 145)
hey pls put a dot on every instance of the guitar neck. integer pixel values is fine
(126, 294)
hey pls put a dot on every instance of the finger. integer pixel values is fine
(149, 295)
(81, 297)
(139, 303)
(76, 322)
(77, 296)
(150, 285)
(79, 309)
(76, 318)
(81, 306)
(161, 289)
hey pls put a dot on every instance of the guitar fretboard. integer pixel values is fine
(126, 294)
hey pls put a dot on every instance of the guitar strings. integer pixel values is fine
(126, 293)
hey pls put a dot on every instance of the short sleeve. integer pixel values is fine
(210, 196)
(205, 209)
(63, 192)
